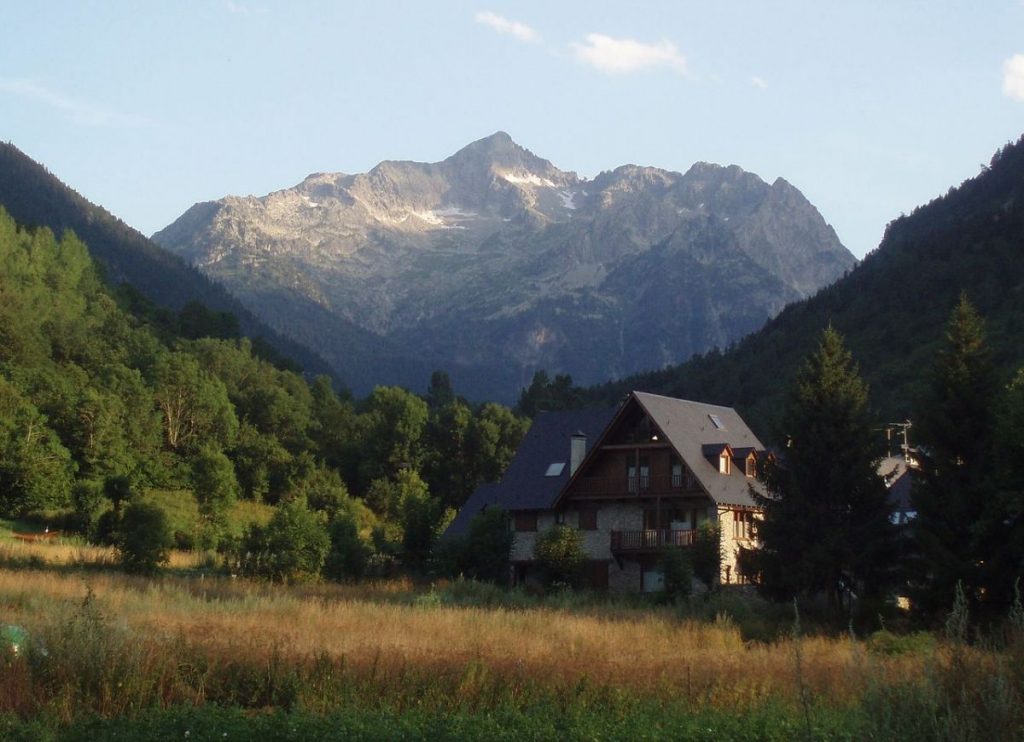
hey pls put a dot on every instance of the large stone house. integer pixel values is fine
(636, 479)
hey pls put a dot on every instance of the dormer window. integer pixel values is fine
(724, 463)
(751, 466)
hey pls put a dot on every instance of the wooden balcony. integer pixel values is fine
(626, 486)
(650, 540)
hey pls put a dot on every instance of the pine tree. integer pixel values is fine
(956, 479)
(826, 524)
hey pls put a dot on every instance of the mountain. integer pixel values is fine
(892, 308)
(494, 263)
(36, 198)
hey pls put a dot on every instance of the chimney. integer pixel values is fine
(577, 450)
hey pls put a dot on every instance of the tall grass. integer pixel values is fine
(113, 645)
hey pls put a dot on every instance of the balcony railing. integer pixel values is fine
(634, 485)
(651, 539)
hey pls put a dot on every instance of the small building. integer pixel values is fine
(636, 479)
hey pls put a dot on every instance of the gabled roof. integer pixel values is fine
(714, 450)
(689, 427)
(525, 485)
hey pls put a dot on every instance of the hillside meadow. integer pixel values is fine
(115, 656)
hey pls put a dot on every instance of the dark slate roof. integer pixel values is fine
(524, 486)
(483, 497)
(688, 427)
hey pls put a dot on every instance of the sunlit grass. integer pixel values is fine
(651, 653)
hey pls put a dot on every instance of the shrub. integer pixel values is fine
(707, 553)
(678, 573)
(144, 538)
(559, 550)
(108, 525)
(348, 555)
(487, 548)
(291, 548)
(86, 498)
(214, 484)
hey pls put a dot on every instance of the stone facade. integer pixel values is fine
(625, 574)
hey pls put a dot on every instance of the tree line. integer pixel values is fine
(103, 396)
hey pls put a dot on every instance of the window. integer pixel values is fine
(588, 519)
(677, 474)
(724, 463)
(742, 524)
(717, 422)
(751, 466)
(641, 482)
(555, 469)
(526, 521)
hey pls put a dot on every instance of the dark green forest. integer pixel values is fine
(891, 308)
(99, 402)
(36, 198)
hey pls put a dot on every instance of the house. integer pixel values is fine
(636, 479)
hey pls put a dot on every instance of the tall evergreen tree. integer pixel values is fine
(956, 479)
(1003, 519)
(826, 522)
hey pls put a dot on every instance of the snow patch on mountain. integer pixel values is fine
(521, 178)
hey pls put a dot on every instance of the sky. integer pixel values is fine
(869, 108)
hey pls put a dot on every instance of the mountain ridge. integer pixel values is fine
(892, 307)
(490, 262)
(34, 197)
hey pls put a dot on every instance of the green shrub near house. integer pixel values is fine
(559, 551)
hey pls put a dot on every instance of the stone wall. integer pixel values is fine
(624, 574)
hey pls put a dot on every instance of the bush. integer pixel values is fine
(559, 550)
(678, 573)
(144, 538)
(348, 555)
(707, 553)
(291, 548)
(86, 498)
(107, 527)
(214, 484)
(887, 643)
(485, 551)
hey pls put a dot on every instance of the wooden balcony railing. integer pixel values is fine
(648, 540)
(637, 485)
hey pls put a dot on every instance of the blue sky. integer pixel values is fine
(870, 108)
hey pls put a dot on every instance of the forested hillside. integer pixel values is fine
(91, 395)
(36, 198)
(891, 308)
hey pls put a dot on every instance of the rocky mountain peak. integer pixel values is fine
(493, 263)
(500, 155)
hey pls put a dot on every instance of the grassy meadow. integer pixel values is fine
(112, 656)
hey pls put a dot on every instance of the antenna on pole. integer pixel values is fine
(903, 430)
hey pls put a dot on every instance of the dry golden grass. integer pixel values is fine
(74, 553)
(651, 653)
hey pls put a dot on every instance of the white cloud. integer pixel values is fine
(1013, 77)
(758, 82)
(503, 25)
(621, 56)
(77, 111)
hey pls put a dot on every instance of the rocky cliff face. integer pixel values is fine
(494, 263)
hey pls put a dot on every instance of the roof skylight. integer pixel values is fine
(555, 469)
(717, 421)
